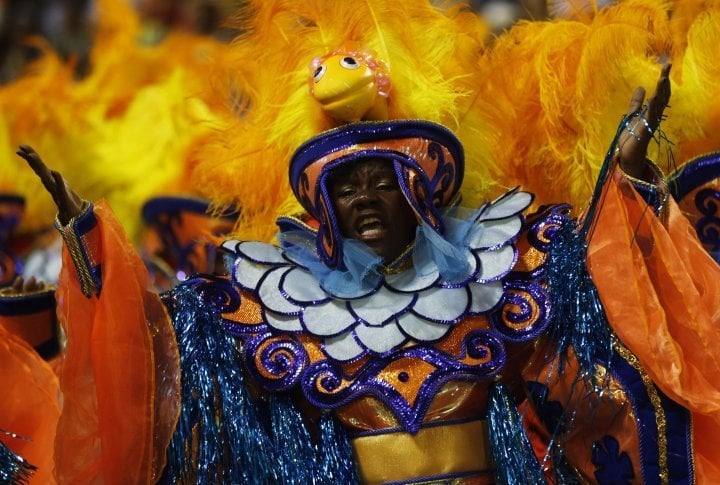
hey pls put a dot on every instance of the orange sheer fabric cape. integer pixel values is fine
(120, 380)
(120, 377)
(29, 405)
(662, 297)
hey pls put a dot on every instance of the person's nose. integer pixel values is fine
(366, 196)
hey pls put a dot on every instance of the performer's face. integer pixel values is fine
(371, 208)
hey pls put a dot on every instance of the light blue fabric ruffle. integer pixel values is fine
(447, 254)
(359, 276)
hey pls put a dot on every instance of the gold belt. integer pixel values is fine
(433, 451)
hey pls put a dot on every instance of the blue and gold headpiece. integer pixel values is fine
(427, 157)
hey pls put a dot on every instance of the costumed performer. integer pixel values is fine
(266, 304)
(403, 331)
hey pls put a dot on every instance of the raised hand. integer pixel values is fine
(634, 140)
(69, 204)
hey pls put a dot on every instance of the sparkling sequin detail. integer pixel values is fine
(401, 309)
(400, 343)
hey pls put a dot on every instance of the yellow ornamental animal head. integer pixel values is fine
(351, 85)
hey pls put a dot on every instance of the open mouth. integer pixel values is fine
(370, 228)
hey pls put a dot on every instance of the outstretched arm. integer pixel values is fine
(645, 119)
(75, 221)
(660, 289)
(120, 375)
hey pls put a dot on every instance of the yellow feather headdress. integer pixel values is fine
(536, 109)
(431, 55)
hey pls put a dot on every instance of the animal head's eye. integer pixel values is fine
(319, 73)
(349, 63)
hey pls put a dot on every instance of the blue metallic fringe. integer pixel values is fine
(579, 320)
(515, 461)
(13, 468)
(337, 464)
(223, 435)
(219, 437)
(297, 453)
(300, 461)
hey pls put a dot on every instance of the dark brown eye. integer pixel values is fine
(346, 192)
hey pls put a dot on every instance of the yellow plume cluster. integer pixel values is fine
(555, 92)
(537, 109)
(431, 53)
(683, 14)
(125, 132)
(23, 119)
(695, 112)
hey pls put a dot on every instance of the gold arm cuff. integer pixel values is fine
(431, 452)
(87, 284)
(659, 183)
